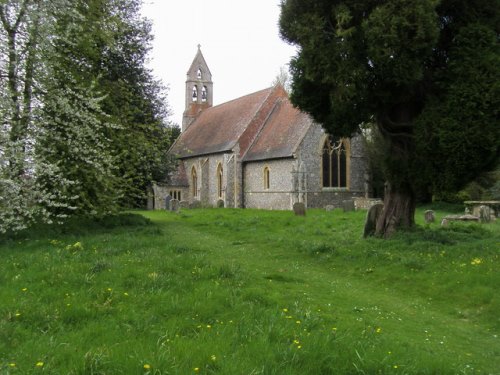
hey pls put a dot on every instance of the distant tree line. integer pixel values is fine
(84, 124)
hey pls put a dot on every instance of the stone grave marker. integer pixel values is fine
(371, 219)
(168, 198)
(299, 209)
(184, 204)
(195, 204)
(348, 205)
(484, 214)
(329, 207)
(429, 216)
(174, 205)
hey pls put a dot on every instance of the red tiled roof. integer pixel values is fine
(282, 133)
(217, 129)
(263, 124)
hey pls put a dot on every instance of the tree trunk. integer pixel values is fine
(399, 196)
(399, 210)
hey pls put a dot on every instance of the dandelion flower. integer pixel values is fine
(39, 364)
(196, 369)
(298, 322)
(147, 366)
(379, 330)
(12, 365)
(125, 294)
(24, 289)
(285, 310)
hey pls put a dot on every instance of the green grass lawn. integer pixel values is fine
(228, 291)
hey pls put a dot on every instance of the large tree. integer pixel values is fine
(83, 122)
(425, 72)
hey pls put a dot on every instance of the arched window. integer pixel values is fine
(334, 162)
(194, 182)
(220, 175)
(267, 182)
(198, 73)
(204, 94)
(195, 93)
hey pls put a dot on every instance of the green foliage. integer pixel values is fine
(425, 72)
(247, 291)
(84, 124)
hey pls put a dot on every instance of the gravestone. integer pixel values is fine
(429, 216)
(484, 214)
(195, 204)
(168, 198)
(329, 207)
(184, 204)
(174, 205)
(220, 203)
(348, 205)
(299, 208)
(371, 219)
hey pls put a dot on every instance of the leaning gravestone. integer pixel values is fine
(371, 219)
(429, 216)
(174, 205)
(299, 208)
(168, 198)
(348, 205)
(484, 214)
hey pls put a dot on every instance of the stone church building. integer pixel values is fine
(258, 151)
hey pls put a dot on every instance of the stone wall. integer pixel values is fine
(310, 156)
(279, 194)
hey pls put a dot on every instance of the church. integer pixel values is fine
(258, 151)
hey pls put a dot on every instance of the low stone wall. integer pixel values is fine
(362, 203)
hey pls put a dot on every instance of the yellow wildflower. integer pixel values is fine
(39, 364)
(213, 357)
(147, 366)
(379, 330)
(196, 369)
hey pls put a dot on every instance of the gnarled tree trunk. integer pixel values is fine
(399, 209)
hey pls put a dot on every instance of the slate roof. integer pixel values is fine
(264, 125)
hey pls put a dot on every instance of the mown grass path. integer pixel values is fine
(252, 292)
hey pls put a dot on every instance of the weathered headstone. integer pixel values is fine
(484, 214)
(195, 204)
(220, 203)
(371, 219)
(168, 198)
(184, 204)
(174, 205)
(299, 209)
(429, 216)
(329, 207)
(348, 205)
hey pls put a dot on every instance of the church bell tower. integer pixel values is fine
(199, 89)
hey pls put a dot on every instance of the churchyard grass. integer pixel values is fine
(226, 291)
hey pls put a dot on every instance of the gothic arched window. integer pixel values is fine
(219, 180)
(334, 162)
(194, 182)
(204, 94)
(195, 93)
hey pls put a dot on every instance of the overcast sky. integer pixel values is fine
(239, 39)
